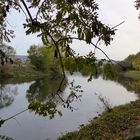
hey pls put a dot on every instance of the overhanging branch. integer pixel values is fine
(29, 14)
(75, 38)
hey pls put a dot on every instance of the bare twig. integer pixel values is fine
(112, 29)
(12, 117)
(23, 11)
(118, 25)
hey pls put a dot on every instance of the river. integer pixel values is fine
(83, 107)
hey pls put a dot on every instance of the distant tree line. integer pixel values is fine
(132, 62)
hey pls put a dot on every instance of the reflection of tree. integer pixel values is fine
(110, 71)
(130, 84)
(45, 89)
(2, 137)
(87, 66)
(7, 95)
(45, 95)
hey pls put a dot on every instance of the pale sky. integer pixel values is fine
(111, 12)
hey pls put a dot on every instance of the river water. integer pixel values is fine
(30, 126)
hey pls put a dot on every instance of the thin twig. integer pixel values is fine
(117, 25)
(112, 29)
(15, 115)
(23, 11)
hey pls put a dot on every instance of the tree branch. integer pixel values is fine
(75, 38)
(30, 16)
(56, 46)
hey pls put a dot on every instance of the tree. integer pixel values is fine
(42, 58)
(58, 22)
(35, 57)
(131, 62)
(126, 64)
(136, 61)
(7, 50)
(110, 71)
(55, 20)
(5, 53)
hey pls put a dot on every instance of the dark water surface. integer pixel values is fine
(28, 126)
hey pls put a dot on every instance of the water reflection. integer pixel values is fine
(2, 137)
(130, 84)
(45, 90)
(35, 127)
(7, 94)
(44, 96)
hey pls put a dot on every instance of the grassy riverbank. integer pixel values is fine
(114, 125)
(20, 73)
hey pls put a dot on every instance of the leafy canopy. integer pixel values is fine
(57, 19)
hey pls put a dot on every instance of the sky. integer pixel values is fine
(111, 12)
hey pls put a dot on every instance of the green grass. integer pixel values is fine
(21, 73)
(114, 125)
(132, 74)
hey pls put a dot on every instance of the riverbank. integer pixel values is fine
(114, 125)
(22, 73)
(131, 74)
